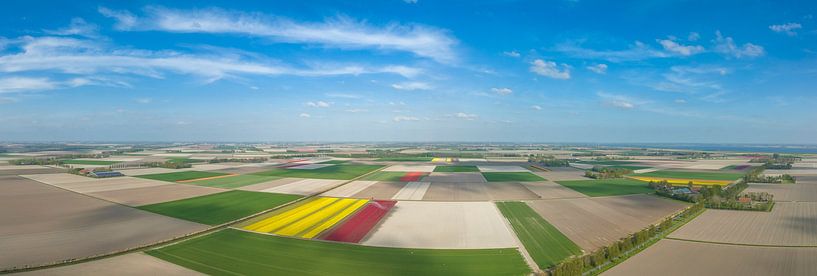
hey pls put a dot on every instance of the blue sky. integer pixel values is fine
(515, 71)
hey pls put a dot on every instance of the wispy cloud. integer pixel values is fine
(598, 68)
(636, 51)
(550, 69)
(405, 118)
(356, 110)
(788, 28)
(466, 116)
(502, 91)
(410, 86)
(339, 32)
(77, 27)
(144, 100)
(536, 107)
(727, 46)
(304, 115)
(22, 84)
(343, 96)
(320, 104)
(620, 101)
(513, 54)
(676, 48)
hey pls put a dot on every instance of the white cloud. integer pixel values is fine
(144, 100)
(676, 48)
(124, 19)
(344, 96)
(321, 104)
(619, 101)
(304, 115)
(598, 68)
(536, 107)
(680, 101)
(693, 36)
(405, 118)
(502, 91)
(514, 54)
(410, 86)
(466, 116)
(23, 84)
(636, 51)
(78, 27)
(356, 110)
(550, 69)
(787, 28)
(339, 32)
(727, 46)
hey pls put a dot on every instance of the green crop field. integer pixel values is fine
(220, 208)
(511, 176)
(184, 160)
(607, 187)
(456, 169)
(384, 176)
(693, 175)
(237, 252)
(406, 159)
(607, 162)
(334, 162)
(545, 244)
(89, 162)
(344, 172)
(234, 181)
(180, 176)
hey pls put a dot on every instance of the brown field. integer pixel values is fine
(91, 185)
(442, 191)
(595, 222)
(456, 177)
(59, 225)
(556, 174)
(551, 190)
(787, 192)
(18, 170)
(349, 189)
(788, 224)
(155, 194)
(134, 264)
(672, 257)
(381, 190)
(269, 184)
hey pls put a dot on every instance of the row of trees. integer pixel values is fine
(623, 248)
(600, 172)
(548, 161)
(716, 197)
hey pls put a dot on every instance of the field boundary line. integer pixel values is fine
(521, 247)
(744, 244)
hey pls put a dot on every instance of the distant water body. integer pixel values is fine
(728, 147)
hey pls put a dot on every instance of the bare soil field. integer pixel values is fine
(155, 194)
(269, 184)
(412, 191)
(14, 170)
(134, 264)
(92, 185)
(595, 222)
(787, 192)
(410, 168)
(551, 190)
(350, 189)
(456, 177)
(381, 190)
(246, 169)
(413, 224)
(558, 173)
(305, 186)
(788, 224)
(793, 172)
(59, 225)
(449, 191)
(138, 172)
(58, 178)
(673, 257)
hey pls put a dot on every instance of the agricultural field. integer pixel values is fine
(684, 177)
(551, 190)
(545, 244)
(235, 181)
(221, 207)
(305, 187)
(788, 224)
(128, 264)
(236, 252)
(342, 171)
(406, 159)
(563, 173)
(361, 223)
(511, 177)
(89, 162)
(350, 189)
(390, 176)
(607, 187)
(456, 169)
(802, 191)
(182, 176)
(664, 257)
(308, 219)
(608, 162)
(484, 191)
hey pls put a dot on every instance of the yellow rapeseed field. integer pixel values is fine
(310, 219)
(683, 181)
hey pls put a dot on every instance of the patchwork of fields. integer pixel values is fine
(546, 245)
(220, 208)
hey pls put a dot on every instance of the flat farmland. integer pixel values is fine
(551, 190)
(563, 173)
(511, 176)
(545, 244)
(233, 181)
(452, 191)
(381, 190)
(693, 175)
(801, 191)
(456, 177)
(60, 225)
(350, 189)
(89, 162)
(242, 253)
(385, 176)
(788, 224)
(442, 225)
(181, 176)
(89, 185)
(220, 208)
(154, 194)
(342, 171)
(456, 169)
(595, 222)
(24, 170)
(695, 258)
(129, 264)
(305, 187)
(410, 168)
(607, 187)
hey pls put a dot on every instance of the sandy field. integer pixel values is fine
(59, 225)
(562, 173)
(793, 172)
(410, 168)
(134, 264)
(155, 194)
(415, 224)
(13, 170)
(412, 191)
(381, 190)
(457, 177)
(92, 185)
(58, 178)
(305, 187)
(23, 167)
(787, 192)
(350, 189)
(269, 184)
(595, 222)
(502, 169)
(551, 190)
(667, 256)
(449, 191)
(787, 224)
